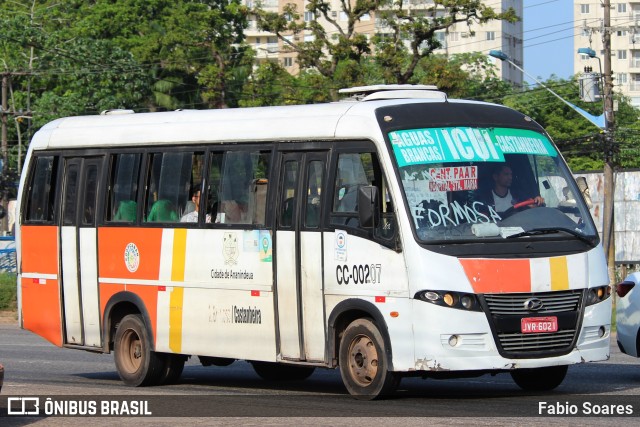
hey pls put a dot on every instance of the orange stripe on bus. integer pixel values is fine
(41, 308)
(40, 249)
(112, 243)
(149, 296)
(107, 290)
(498, 276)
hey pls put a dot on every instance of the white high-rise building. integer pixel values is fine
(625, 42)
(461, 38)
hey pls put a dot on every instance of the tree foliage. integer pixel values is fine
(465, 75)
(407, 37)
(196, 46)
(400, 59)
(582, 143)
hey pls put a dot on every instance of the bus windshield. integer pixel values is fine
(469, 183)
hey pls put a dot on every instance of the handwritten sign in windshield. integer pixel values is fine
(458, 144)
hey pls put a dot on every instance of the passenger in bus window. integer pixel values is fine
(127, 211)
(163, 211)
(234, 212)
(502, 196)
(193, 215)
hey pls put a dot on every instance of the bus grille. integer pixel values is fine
(505, 312)
(517, 342)
(513, 304)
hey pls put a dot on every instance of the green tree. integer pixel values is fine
(580, 141)
(56, 72)
(337, 51)
(269, 84)
(51, 74)
(192, 49)
(311, 87)
(332, 45)
(398, 58)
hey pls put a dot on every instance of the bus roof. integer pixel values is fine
(340, 120)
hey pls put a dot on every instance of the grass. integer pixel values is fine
(8, 291)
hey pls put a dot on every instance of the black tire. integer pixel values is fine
(279, 372)
(540, 379)
(173, 365)
(363, 362)
(215, 361)
(136, 363)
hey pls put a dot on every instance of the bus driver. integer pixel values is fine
(502, 198)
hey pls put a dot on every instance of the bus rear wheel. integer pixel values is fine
(278, 372)
(173, 365)
(363, 362)
(540, 379)
(136, 363)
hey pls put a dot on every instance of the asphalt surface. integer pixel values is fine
(235, 395)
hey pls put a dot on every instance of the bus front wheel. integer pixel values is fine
(539, 379)
(136, 363)
(363, 361)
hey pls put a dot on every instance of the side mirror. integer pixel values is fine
(584, 189)
(368, 202)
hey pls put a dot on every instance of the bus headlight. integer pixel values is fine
(449, 299)
(459, 300)
(467, 302)
(596, 295)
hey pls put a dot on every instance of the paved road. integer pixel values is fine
(35, 367)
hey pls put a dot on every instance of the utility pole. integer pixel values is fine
(608, 228)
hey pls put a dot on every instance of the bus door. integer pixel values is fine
(79, 251)
(298, 258)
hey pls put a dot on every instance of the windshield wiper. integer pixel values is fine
(550, 230)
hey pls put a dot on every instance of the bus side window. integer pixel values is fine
(354, 171)
(190, 210)
(41, 194)
(90, 196)
(258, 200)
(122, 199)
(212, 204)
(314, 194)
(350, 175)
(168, 185)
(243, 188)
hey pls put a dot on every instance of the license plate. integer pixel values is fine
(539, 325)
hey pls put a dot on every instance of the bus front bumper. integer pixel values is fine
(466, 343)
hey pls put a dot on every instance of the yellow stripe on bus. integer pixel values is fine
(177, 294)
(559, 273)
(175, 319)
(179, 252)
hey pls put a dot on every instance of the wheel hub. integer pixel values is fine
(364, 360)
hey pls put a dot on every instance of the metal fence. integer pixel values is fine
(8, 254)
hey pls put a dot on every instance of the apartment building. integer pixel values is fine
(460, 38)
(625, 42)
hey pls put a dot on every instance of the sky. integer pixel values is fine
(548, 38)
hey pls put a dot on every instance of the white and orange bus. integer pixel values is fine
(353, 234)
